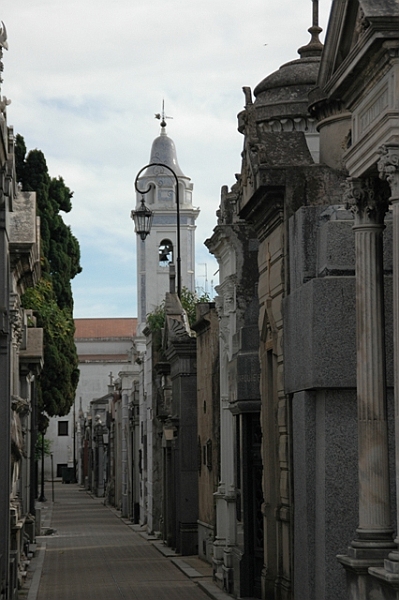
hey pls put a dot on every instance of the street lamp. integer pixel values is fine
(143, 216)
(142, 219)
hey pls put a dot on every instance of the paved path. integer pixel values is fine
(95, 555)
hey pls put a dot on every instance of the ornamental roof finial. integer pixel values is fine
(314, 47)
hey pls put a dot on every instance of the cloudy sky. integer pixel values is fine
(86, 77)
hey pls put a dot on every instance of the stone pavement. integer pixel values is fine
(91, 553)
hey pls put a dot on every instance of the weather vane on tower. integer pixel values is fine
(162, 116)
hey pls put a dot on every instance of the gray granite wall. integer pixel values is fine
(325, 490)
(320, 311)
(320, 374)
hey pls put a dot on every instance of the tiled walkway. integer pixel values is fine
(95, 555)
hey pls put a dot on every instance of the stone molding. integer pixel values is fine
(305, 124)
(323, 109)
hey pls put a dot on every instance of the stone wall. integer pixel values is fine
(208, 411)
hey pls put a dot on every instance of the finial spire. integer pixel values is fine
(314, 47)
(161, 116)
(315, 13)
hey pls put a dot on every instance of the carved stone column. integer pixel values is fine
(374, 533)
(388, 167)
(225, 496)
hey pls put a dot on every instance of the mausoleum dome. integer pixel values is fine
(284, 93)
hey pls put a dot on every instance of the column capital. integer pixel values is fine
(365, 197)
(388, 167)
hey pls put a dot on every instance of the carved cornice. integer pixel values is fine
(323, 108)
(388, 167)
(265, 211)
(366, 199)
(305, 124)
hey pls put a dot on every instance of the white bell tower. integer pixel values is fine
(159, 248)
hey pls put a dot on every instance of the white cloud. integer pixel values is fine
(86, 77)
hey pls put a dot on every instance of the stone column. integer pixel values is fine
(225, 496)
(374, 533)
(5, 395)
(100, 461)
(388, 167)
(125, 429)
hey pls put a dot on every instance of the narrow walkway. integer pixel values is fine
(95, 555)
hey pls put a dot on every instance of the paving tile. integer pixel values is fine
(94, 554)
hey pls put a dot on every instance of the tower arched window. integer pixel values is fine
(165, 253)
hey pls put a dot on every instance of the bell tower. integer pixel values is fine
(159, 249)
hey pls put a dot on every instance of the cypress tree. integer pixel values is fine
(52, 298)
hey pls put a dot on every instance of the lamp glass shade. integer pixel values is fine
(142, 218)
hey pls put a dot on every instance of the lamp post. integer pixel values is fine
(143, 216)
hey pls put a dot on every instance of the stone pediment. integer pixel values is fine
(354, 26)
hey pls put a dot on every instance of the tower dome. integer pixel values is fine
(164, 151)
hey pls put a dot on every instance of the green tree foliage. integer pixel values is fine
(52, 298)
(60, 375)
(189, 300)
(43, 445)
(60, 248)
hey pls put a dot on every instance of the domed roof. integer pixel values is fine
(163, 151)
(284, 93)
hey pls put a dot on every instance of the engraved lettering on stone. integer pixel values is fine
(374, 111)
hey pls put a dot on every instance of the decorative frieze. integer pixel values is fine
(305, 124)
